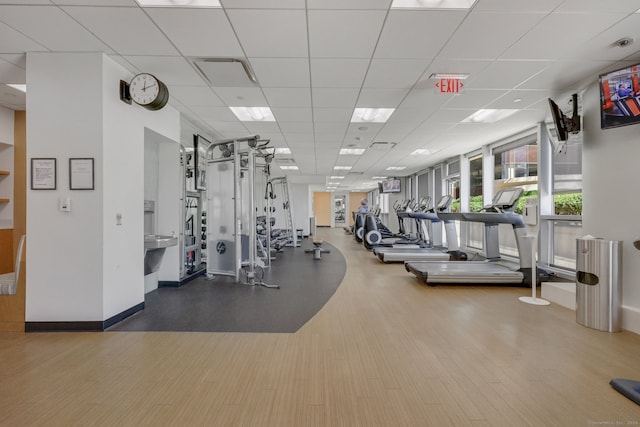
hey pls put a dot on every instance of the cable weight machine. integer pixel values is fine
(231, 233)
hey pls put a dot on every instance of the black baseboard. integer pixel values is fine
(170, 284)
(81, 326)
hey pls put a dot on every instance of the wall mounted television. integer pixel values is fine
(391, 185)
(620, 97)
(565, 125)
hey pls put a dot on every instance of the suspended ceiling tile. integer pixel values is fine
(334, 98)
(241, 96)
(196, 96)
(43, 23)
(349, 4)
(557, 35)
(296, 127)
(271, 33)
(506, 74)
(172, 70)
(300, 140)
(565, 75)
(126, 30)
(416, 33)
(526, 97)
(262, 128)
(486, 35)
(292, 114)
(262, 4)
(215, 114)
(11, 41)
(333, 128)
(130, 3)
(18, 59)
(475, 98)
(381, 98)
(352, 34)
(338, 73)
(579, 6)
(288, 97)
(395, 73)
(198, 32)
(342, 115)
(451, 115)
(604, 47)
(281, 72)
(544, 6)
(11, 73)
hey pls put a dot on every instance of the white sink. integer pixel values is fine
(158, 241)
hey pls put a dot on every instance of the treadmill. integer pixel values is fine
(427, 253)
(493, 270)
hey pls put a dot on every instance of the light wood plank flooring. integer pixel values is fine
(386, 350)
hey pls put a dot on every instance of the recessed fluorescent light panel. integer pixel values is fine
(433, 4)
(396, 168)
(440, 76)
(371, 115)
(421, 152)
(21, 88)
(378, 177)
(289, 168)
(342, 168)
(179, 3)
(351, 151)
(489, 115)
(253, 114)
(283, 150)
(337, 177)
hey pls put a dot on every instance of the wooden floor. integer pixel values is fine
(386, 350)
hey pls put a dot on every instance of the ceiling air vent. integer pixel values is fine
(382, 145)
(225, 72)
(355, 173)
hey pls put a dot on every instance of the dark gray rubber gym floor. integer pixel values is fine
(221, 305)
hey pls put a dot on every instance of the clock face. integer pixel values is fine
(144, 89)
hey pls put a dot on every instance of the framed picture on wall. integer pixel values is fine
(81, 175)
(43, 174)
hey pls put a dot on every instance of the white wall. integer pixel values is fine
(7, 120)
(611, 206)
(300, 202)
(83, 266)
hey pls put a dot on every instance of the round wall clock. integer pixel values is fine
(146, 90)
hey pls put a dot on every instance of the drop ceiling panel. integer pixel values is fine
(395, 73)
(292, 114)
(565, 75)
(18, 59)
(334, 128)
(11, 41)
(44, 23)
(262, 4)
(621, 6)
(604, 47)
(421, 98)
(475, 98)
(349, 4)
(297, 127)
(558, 34)
(394, 132)
(130, 3)
(214, 35)
(218, 114)
(338, 73)
(299, 140)
(416, 33)
(271, 33)
(241, 96)
(340, 115)
(262, 128)
(544, 6)
(353, 34)
(506, 74)
(127, 30)
(172, 70)
(333, 98)
(11, 73)
(451, 116)
(487, 35)
(527, 98)
(281, 72)
(381, 98)
(196, 96)
(288, 97)
(228, 129)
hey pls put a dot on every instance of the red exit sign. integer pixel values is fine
(449, 85)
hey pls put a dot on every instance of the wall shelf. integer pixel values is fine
(2, 172)
(4, 200)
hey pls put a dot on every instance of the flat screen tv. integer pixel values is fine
(565, 125)
(620, 97)
(391, 185)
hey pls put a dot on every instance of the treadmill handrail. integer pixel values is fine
(495, 218)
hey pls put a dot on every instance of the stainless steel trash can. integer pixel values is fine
(599, 283)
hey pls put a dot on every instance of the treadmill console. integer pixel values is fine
(444, 203)
(506, 199)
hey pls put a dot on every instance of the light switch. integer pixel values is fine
(65, 204)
